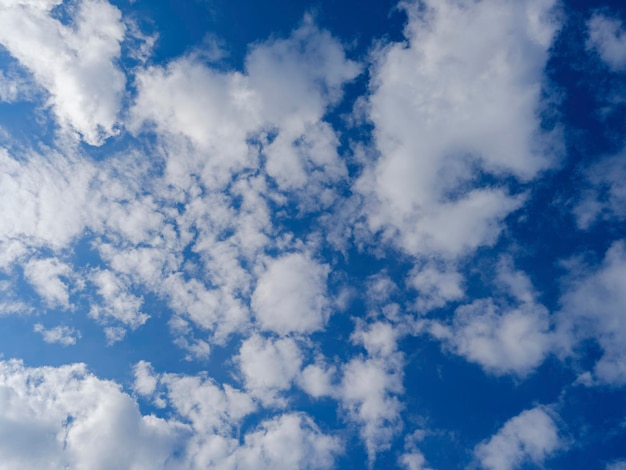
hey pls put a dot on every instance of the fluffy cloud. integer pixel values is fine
(502, 336)
(446, 110)
(291, 295)
(75, 63)
(214, 413)
(43, 201)
(44, 275)
(370, 387)
(532, 436)
(269, 367)
(63, 335)
(279, 100)
(592, 307)
(436, 285)
(605, 195)
(117, 303)
(65, 417)
(608, 37)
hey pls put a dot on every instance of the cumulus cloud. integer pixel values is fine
(532, 436)
(269, 367)
(43, 201)
(288, 442)
(605, 194)
(75, 63)
(67, 418)
(118, 303)
(446, 110)
(608, 37)
(592, 308)
(291, 295)
(45, 276)
(503, 336)
(63, 335)
(370, 387)
(436, 285)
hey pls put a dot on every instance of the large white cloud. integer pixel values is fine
(532, 436)
(445, 109)
(75, 63)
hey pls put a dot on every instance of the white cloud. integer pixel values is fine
(291, 441)
(269, 367)
(45, 276)
(368, 393)
(63, 335)
(42, 200)
(608, 37)
(436, 285)
(75, 63)
(509, 333)
(279, 100)
(532, 436)
(593, 307)
(446, 109)
(118, 303)
(214, 413)
(291, 295)
(605, 195)
(501, 339)
(64, 417)
(317, 380)
(412, 458)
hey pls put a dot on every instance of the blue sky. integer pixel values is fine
(312, 235)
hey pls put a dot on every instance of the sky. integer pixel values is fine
(312, 235)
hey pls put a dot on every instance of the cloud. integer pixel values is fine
(75, 63)
(291, 295)
(370, 387)
(436, 285)
(532, 436)
(608, 37)
(118, 303)
(43, 200)
(412, 458)
(288, 442)
(593, 303)
(63, 335)
(65, 417)
(45, 276)
(502, 336)
(278, 101)
(604, 196)
(445, 111)
(269, 367)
